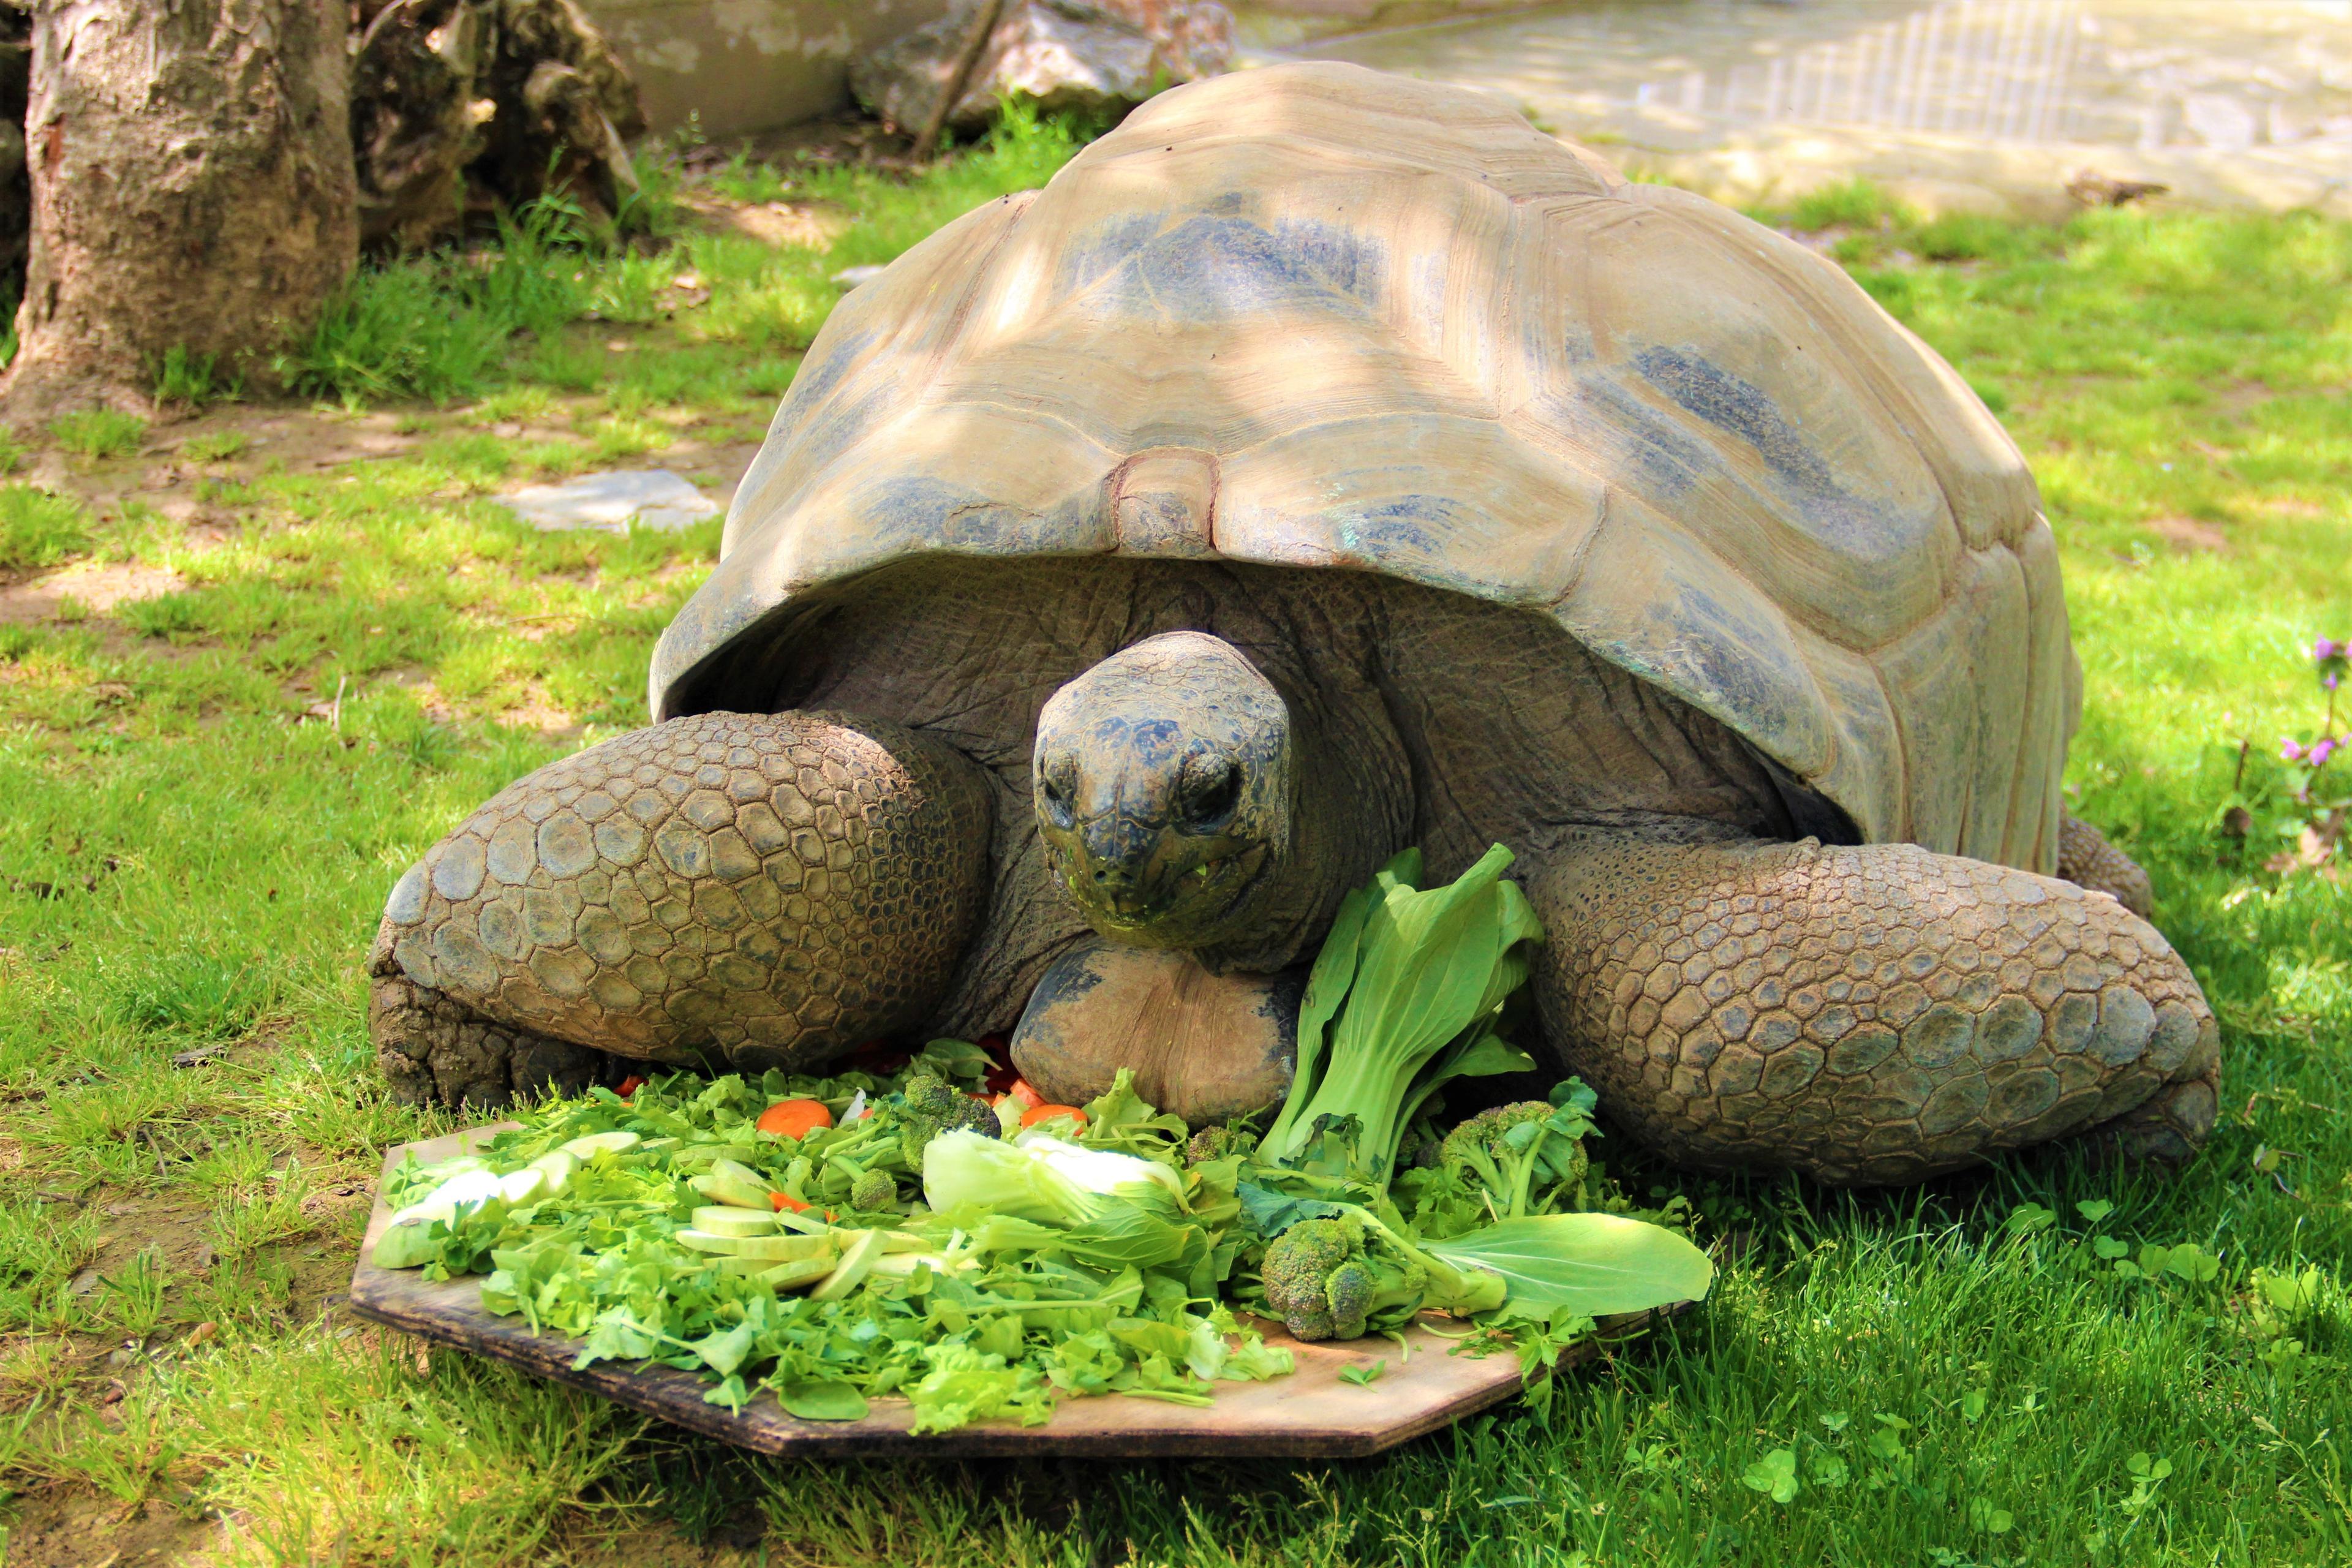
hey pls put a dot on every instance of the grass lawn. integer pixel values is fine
(260, 659)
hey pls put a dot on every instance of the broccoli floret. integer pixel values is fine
(1482, 1135)
(933, 1099)
(1329, 1277)
(934, 1106)
(1216, 1141)
(1298, 1266)
(940, 1107)
(1519, 1152)
(873, 1190)
(974, 1116)
(1364, 1286)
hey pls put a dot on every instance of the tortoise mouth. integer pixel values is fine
(1185, 907)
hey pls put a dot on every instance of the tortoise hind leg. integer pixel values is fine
(740, 890)
(1866, 1014)
(2086, 859)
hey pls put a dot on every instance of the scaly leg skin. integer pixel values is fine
(2086, 859)
(739, 889)
(434, 1048)
(1868, 1014)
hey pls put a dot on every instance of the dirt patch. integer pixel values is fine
(225, 445)
(713, 469)
(2240, 398)
(130, 1227)
(806, 224)
(97, 586)
(232, 439)
(2187, 533)
(2295, 508)
(62, 1527)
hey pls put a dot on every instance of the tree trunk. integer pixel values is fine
(191, 165)
(15, 195)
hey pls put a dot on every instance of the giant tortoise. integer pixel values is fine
(1321, 464)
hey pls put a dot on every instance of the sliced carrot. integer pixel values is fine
(1038, 1115)
(1024, 1094)
(794, 1117)
(784, 1202)
(629, 1086)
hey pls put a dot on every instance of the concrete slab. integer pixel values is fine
(613, 502)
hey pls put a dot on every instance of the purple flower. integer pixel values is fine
(2290, 753)
(2321, 750)
(2333, 657)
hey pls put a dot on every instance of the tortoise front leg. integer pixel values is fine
(1866, 1014)
(739, 889)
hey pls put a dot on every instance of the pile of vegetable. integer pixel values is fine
(934, 1232)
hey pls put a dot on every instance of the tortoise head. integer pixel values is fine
(1162, 780)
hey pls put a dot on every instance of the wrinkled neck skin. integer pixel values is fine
(1192, 796)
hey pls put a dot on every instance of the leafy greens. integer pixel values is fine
(899, 1252)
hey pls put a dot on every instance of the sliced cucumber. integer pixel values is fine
(787, 1249)
(856, 1263)
(404, 1246)
(738, 1187)
(720, 1220)
(588, 1145)
(787, 1275)
(559, 1168)
(703, 1241)
(466, 1187)
(518, 1187)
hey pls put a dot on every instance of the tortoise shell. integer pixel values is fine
(1315, 316)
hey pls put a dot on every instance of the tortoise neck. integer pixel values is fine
(1352, 797)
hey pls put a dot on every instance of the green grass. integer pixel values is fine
(38, 528)
(100, 433)
(215, 446)
(199, 837)
(191, 380)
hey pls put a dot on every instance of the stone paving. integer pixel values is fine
(1971, 104)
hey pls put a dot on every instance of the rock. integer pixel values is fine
(2092, 189)
(613, 502)
(1089, 55)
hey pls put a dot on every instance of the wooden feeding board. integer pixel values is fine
(1311, 1413)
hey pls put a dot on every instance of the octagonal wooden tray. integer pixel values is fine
(1311, 1413)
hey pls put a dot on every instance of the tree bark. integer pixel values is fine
(191, 165)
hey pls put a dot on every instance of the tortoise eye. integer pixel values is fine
(1210, 797)
(1055, 789)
